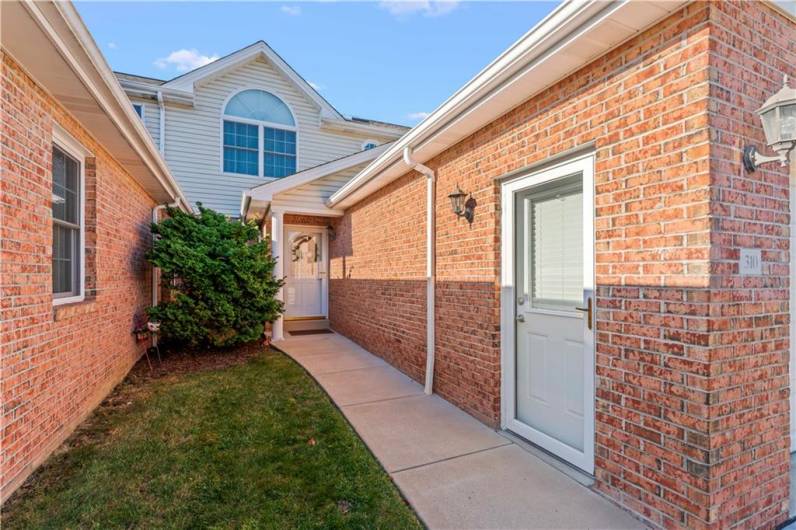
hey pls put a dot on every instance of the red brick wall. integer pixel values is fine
(752, 47)
(308, 220)
(377, 285)
(687, 353)
(58, 363)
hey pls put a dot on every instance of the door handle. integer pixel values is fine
(588, 311)
(520, 318)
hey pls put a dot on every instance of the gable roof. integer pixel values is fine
(220, 66)
(572, 35)
(262, 194)
(180, 89)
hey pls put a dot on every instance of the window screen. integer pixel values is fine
(241, 147)
(279, 158)
(66, 209)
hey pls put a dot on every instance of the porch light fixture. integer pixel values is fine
(462, 204)
(778, 115)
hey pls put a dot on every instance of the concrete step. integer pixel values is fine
(306, 324)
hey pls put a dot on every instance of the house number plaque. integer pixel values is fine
(750, 263)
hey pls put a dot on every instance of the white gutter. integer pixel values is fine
(114, 102)
(162, 121)
(430, 263)
(574, 34)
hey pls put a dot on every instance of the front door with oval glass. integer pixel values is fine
(553, 355)
(305, 270)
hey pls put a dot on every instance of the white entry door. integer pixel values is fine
(305, 272)
(552, 369)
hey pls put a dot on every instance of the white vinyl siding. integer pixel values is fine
(151, 118)
(313, 195)
(193, 135)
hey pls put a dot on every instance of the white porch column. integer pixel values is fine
(277, 234)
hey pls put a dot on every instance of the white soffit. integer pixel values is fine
(50, 41)
(573, 35)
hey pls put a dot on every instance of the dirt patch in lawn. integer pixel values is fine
(177, 362)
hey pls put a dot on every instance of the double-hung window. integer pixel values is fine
(68, 221)
(279, 156)
(259, 136)
(241, 148)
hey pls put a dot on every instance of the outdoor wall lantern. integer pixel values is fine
(778, 115)
(463, 205)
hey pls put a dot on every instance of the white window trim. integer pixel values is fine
(260, 125)
(366, 142)
(67, 143)
(143, 110)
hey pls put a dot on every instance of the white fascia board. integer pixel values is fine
(137, 88)
(345, 125)
(266, 192)
(221, 66)
(573, 35)
(87, 63)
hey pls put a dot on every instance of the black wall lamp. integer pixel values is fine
(463, 204)
(778, 115)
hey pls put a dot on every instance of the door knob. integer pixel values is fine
(520, 318)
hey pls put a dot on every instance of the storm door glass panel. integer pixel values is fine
(241, 147)
(66, 224)
(305, 256)
(556, 249)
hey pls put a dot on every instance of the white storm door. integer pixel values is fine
(305, 271)
(553, 364)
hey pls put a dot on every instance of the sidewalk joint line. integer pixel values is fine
(376, 400)
(348, 370)
(452, 457)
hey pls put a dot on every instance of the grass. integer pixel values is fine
(253, 445)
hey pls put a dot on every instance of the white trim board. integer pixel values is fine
(260, 48)
(573, 35)
(66, 142)
(585, 165)
(324, 272)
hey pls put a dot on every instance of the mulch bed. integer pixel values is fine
(183, 361)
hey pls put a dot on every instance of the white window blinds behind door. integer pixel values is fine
(557, 249)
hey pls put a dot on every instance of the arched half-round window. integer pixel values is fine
(259, 135)
(259, 105)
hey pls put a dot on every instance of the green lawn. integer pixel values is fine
(254, 445)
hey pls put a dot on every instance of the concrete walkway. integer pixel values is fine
(453, 470)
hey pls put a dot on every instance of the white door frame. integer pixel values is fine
(585, 165)
(324, 266)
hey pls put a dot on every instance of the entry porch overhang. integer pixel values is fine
(306, 192)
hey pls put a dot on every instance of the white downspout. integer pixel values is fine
(156, 270)
(430, 264)
(162, 121)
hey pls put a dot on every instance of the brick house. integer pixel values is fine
(594, 303)
(81, 181)
(590, 298)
